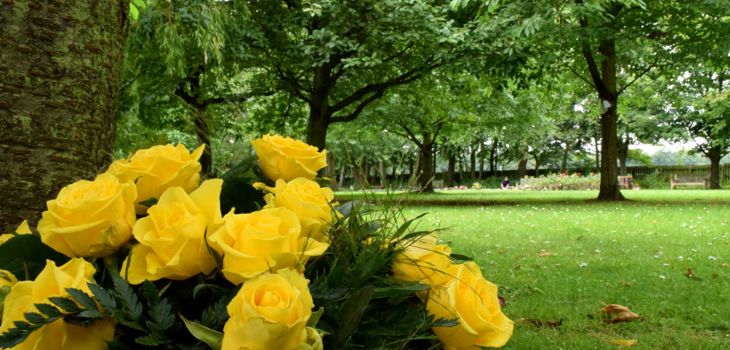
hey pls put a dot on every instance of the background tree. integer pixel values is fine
(340, 57)
(59, 97)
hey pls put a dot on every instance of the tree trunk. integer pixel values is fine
(60, 63)
(609, 189)
(473, 163)
(493, 158)
(598, 152)
(564, 161)
(317, 128)
(341, 181)
(481, 160)
(383, 174)
(522, 168)
(623, 153)
(451, 169)
(537, 167)
(203, 133)
(332, 170)
(425, 173)
(715, 154)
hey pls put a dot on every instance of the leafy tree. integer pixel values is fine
(59, 97)
(339, 57)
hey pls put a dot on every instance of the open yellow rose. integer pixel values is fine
(171, 238)
(23, 229)
(270, 312)
(90, 218)
(158, 168)
(287, 159)
(52, 282)
(472, 300)
(265, 240)
(308, 200)
(423, 261)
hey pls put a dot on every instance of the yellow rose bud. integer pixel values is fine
(269, 312)
(171, 238)
(308, 200)
(90, 218)
(423, 261)
(158, 168)
(23, 229)
(265, 240)
(287, 159)
(472, 300)
(52, 282)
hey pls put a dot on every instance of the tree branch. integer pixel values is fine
(411, 135)
(364, 103)
(580, 76)
(643, 72)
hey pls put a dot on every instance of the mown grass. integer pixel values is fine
(559, 257)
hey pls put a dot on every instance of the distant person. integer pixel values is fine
(505, 183)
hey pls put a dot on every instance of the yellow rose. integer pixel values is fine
(269, 312)
(287, 159)
(308, 200)
(90, 218)
(265, 240)
(172, 237)
(23, 229)
(158, 168)
(423, 261)
(7, 279)
(52, 282)
(472, 300)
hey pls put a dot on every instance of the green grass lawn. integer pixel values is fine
(557, 256)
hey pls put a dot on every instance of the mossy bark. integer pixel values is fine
(60, 65)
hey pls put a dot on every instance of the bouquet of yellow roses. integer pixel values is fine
(150, 256)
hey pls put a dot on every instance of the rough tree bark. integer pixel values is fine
(425, 171)
(715, 154)
(60, 63)
(522, 168)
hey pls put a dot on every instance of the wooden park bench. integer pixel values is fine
(626, 182)
(689, 180)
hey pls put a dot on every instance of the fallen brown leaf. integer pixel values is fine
(543, 253)
(691, 274)
(619, 313)
(623, 342)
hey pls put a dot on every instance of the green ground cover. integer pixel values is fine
(559, 257)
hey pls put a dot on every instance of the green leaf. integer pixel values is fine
(25, 256)
(351, 313)
(82, 298)
(211, 337)
(34, 317)
(105, 298)
(446, 322)
(149, 202)
(460, 257)
(408, 289)
(314, 318)
(133, 12)
(237, 191)
(48, 310)
(139, 3)
(65, 304)
(126, 295)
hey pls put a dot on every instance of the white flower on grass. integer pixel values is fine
(680, 258)
(583, 265)
(662, 277)
(711, 258)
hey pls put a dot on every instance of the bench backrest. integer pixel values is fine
(689, 178)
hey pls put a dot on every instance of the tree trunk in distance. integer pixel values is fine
(598, 152)
(425, 173)
(451, 169)
(481, 160)
(715, 154)
(383, 174)
(332, 170)
(60, 63)
(522, 168)
(473, 163)
(564, 161)
(493, 158)
(623, 154)
(341, 181)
